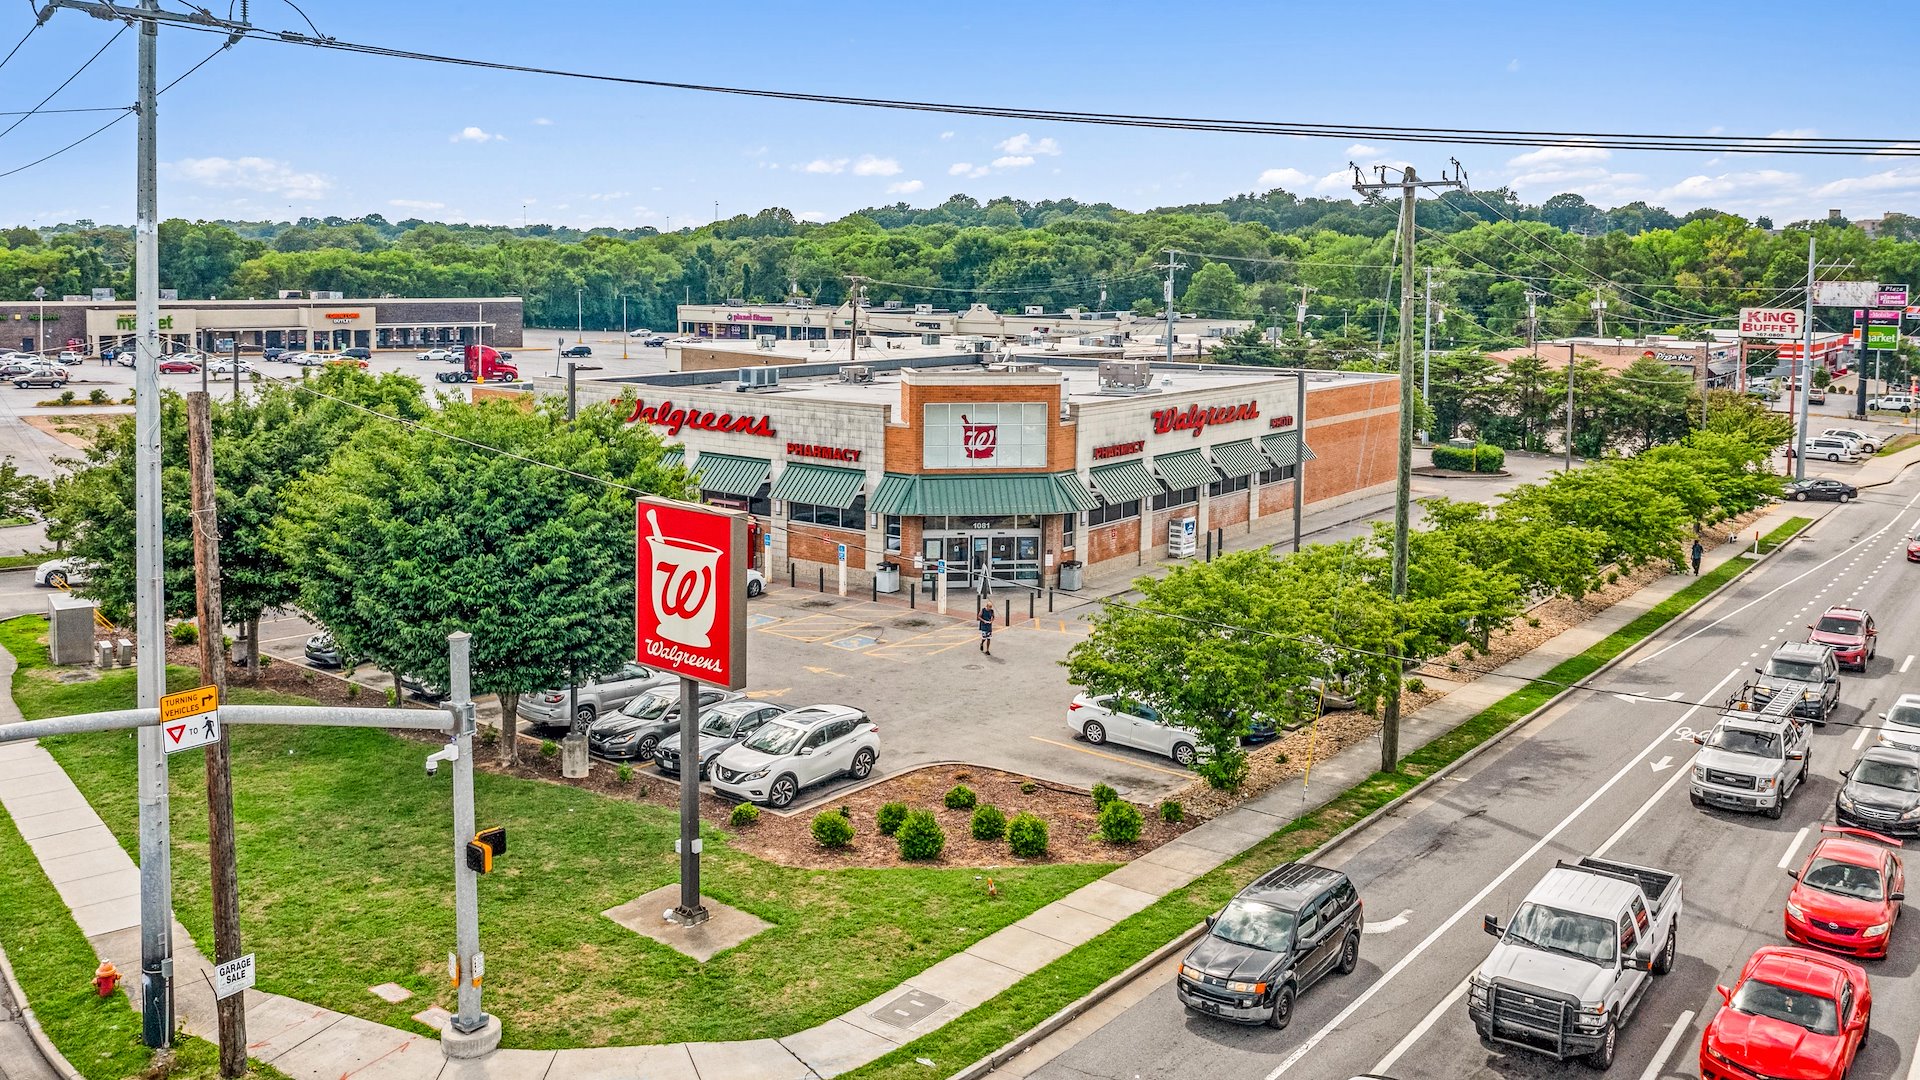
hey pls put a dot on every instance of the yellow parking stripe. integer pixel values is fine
(1111, 757)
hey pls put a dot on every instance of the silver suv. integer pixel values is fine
(598, 695)
(1805, 670)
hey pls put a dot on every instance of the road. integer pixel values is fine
(1599, 774)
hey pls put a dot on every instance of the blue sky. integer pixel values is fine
(272, 130)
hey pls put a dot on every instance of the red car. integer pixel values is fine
(178, 367)
(1848, 894)
(1849, 632)
(1794, 1013)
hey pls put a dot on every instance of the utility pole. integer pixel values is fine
(236, 371)
(1300, 313)
(1409, 185)
(1806, 374)
(478, 1033)
(854, 288)
(1533, 322)
(579, 314)
(1426, 349)
(1569, 463)
(1172, 265)
(213, 672)
(623, 326)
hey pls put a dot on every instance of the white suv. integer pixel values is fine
(796, 751)
(1867, 443)
(1892, 402)
(1901, 726)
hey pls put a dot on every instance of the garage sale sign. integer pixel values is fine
(1770, 322)
(690, 591)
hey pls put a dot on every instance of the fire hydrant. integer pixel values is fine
(106, 978)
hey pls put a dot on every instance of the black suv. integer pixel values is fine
(579, 350)
(1279, 936)
(358, 352)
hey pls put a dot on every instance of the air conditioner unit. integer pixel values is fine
(169, 294)
(291, 294)
(1125, 374)
(766, 340)
(923, 309)
(1034, 309)
(758, 378)
(893, 305)
(929, 339)
(856, 373)
(734, 301)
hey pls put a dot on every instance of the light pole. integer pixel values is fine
(40, 323)
(623, 326)
(579, 314)
(1569, 464)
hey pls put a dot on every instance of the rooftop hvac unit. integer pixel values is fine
(929, 339)
(819, 344)
(766, 340)
(856, 373)
(291, 294)
(169, 294)
(758, 378)
(103, 294)
(923, 309)
(325, 294)
(893, 305)
(980, 345)
(1125, 374)
(734, 301)
(1034, 309)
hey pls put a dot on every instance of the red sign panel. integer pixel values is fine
(831, 453)
(674, 418)
(691, 596)
(979, 440)
(1119, 449)
(1197, 418)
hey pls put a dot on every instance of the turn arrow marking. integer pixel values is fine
(1663, 763)
(1386, 925)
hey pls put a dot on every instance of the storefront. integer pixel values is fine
(1008, 472)
(317, 323)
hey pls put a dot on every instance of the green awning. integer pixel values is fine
(985, 496)
(674, 458)
(1183, 469)
(820, 485)
(1237, 459)
(1285, 448)
(1124, 481)
(731, 474)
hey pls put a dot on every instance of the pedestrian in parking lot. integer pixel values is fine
(1698, 551)
(986, 628)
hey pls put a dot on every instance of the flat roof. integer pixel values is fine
(356, 301)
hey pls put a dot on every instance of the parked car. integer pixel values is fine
(178, 367)
(796, 751)
(420, 688)
(343, 360)
(42, 376)
(1868, 444)
(1892, 402)
(1112, 718)
(578, 350)
(756, 582)
(1849, 632)
(654, 342)
(1821, 489)
(1291, 927)
(305, 359)
(225, 366)
(1806, 671)
(440, 355)
(724, 725)
(600, 694)
(59, 573)
(70, 358)
(645, 720)
(322, 651)
(1881, 791)
(1750, 761)
(1847, 896)
(1829, 448)
(15, 367)
(272, 352)
(640, 333)
(1793, 1012)
(358, 352)
(1900, 724)
(1576, 960)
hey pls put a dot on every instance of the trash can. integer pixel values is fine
(887, 578)
(1070, 575)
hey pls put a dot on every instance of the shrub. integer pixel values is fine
(989, 824)
(1172, 812)
(1027, 836)
(1028, 787)
(744, 814)
(353, 690)
(98, 397)
(846, 811)
(549, 748)
(1120, 822)
(184, 633)
(66, 397)
(1482, 457)
(889, 817)
(921, 838)
(831, 829)
(1416, 686)
(624, 773)
(1102, 795)
(961, 797)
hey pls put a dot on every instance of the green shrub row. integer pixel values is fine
(1483, 457)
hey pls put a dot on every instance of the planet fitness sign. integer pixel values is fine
(690, 594)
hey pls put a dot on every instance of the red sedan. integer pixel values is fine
(1848, 894)
(1794, 1012)
(178, 367)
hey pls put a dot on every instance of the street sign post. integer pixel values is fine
(189, 719)
(1846, 293)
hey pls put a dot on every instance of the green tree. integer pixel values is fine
(1214, 292)
(1249, 346)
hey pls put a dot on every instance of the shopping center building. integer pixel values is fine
(316, 321)
(801, 320)
(1014, 470)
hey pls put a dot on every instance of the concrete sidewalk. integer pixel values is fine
(100, 884)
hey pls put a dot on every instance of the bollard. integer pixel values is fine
(125, 651)
(1049, 601)
(790, 577)
(1031, 597)
(1220, 544)
(823, 579)
(1006, 613)
(875, 597)
(913, 597)
(104, 649)
(1208, 557)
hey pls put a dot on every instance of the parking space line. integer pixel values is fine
(1792, 846)
(1905, 664)
(1862, 739)
(1420, 1029)
(1111, 757)
(1672, 1040)
(812, 628)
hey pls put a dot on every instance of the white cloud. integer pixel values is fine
(1513, 64)
(967, 169)
(476, 135)
(824, 166)
(541, 121)
(1025, 144)
(1012, 161)
(1360, 150)
(1273, 178)
(607, 196)
(1795, 133)
(946, 135)
(868, 165)
(1337, 180)
(812, 215)
(1756, 182)
(417, 204)
(1904, 179)
(1716, 130)
(252, 174)
(905, 187)
(1564, 153)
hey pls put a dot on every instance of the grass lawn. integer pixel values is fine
(980, 1032)
(346, 882)
(1897, 444)
(17, 562)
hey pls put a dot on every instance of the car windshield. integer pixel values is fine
(1255, 926)
(1887, 774)
(777, 739)
(650, 706)
(1904, 716)
(1737, 741)
(1588, 937)
(1793, 669)
(1843, 879)
(1811, 1011)
(717, 724)
(1835, 624)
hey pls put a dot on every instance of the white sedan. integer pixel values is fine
(1111, 718)
(226, 364)
(440, 355)
(58, 574)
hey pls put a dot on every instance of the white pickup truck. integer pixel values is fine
(1576, 960)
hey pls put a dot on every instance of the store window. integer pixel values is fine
(1066, 530)
(893, 535)
(853, 517)
(1111, 512)
(760, 505)
(1278, 474)
(1229, 485)
(1183, 497)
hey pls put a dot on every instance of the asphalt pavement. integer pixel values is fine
(1598, 775)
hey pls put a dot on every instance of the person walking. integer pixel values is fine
(1698, 551)
(986, 628)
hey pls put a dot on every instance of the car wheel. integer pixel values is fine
(781, 794)
(585, 714)
(862, 765)
(1779, 808)
(645, 749)
(1664, 962)
(57, 579)
(1350, 953)
(1183, 755)
(1282, 1008)
(1602, 1059)
(1799, 496)
(754, 588)
(1095, 732)
(1833, 457)
(1845, 497)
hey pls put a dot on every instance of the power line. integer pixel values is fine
(69, 79)
(17, 44)
(124, 112)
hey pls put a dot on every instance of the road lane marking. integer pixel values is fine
(1663, 764)
(1862, 740)
(1672, 1040)
(1387, 925)
(1420, 1029)
(1913, 1071)
(1111, 757)
(1793, 846)
(1486, 890)
(1905, 664)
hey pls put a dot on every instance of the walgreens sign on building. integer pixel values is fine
(985, 435)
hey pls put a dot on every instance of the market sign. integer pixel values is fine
(748, 316)
(674, 418)
(690, 596)
(1846, 293)
(1197, 418)
(1770, 322)
(1883, 330)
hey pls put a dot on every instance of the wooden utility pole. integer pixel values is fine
(213, 672)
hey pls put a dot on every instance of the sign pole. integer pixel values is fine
(1860, 376)
(1806, 376)
(691, 911)
(469, 1018)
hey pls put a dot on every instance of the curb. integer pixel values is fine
(1105, 990)
(39, 1036)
